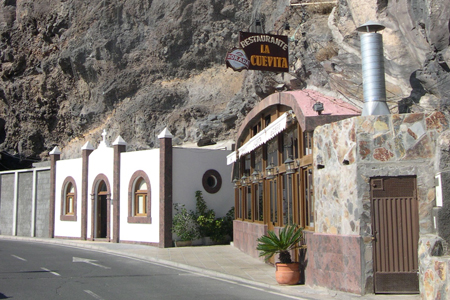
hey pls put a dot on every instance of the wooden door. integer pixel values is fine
(395, 225)
(101, 216)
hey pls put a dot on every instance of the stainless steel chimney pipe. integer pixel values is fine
(373, 70)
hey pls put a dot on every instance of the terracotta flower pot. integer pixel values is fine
(287, 273)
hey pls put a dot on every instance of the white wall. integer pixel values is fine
(64, 169)
(101, 161)
(147, 161)
(189, 165)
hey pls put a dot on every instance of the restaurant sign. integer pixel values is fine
(265, 52)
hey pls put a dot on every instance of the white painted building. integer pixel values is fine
(127, 197)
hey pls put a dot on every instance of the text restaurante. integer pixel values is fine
(264, 39)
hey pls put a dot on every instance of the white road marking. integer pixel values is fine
(54, 273)
(88, 261)
(18, 257)
(93, 295)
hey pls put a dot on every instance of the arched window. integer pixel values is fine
(102, 189)
(69, 208)
(69, 200)
(139, 198)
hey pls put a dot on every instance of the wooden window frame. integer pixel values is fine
(271, 188)
(133, 217)
(247, 201)
(256, 202)
(306, 211)
(71, 211)
(138, 194)
(64, 215)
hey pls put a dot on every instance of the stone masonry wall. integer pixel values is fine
(336, 201)
(347, 154)
(433, 268)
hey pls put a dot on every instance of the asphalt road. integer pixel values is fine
(46, 271)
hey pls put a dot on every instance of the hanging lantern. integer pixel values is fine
(255, 176)
(270, 172)
(289, 163)
(236, 183)
(244, 180)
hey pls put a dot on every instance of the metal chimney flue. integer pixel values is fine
(373, 70)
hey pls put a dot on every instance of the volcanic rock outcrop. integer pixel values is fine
(71, 68)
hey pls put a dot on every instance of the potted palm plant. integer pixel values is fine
(288, 238)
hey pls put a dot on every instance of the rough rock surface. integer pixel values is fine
(71, 68)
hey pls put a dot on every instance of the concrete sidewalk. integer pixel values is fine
(222, 262)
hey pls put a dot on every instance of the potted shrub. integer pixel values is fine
(184, 225)
(289, 237)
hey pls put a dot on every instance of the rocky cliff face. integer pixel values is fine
(71, 68)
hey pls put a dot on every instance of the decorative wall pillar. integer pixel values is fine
(108, 217)
(55, 155)
(119, 146)
(86, 150)
(92, 217)
(165, 189)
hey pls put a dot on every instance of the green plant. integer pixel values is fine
(288, 238)
(184, 224)
(210, 226)
(205, 217)
(228, 223)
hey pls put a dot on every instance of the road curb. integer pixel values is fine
(285, 290)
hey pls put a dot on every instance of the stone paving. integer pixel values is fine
(223, 262)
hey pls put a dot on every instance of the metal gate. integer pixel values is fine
(395, 225)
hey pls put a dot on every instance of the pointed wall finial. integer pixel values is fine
(55, 151)
(87, 146)
(165, 134)
(119, 141)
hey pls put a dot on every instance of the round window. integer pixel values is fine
(212, 181)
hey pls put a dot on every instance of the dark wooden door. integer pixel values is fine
(395, 225)
(101, 216)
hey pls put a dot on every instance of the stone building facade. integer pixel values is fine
(371, 193)
(360, 238)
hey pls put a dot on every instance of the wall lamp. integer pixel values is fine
(245, 180)
(236, 182)
(289, 163)
(271, 171)
(256, 176)
(318, 107)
